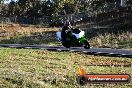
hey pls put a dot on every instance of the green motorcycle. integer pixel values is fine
(74, 38)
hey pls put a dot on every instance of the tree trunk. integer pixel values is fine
(123, 3)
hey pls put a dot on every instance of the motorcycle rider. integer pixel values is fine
(67, 27)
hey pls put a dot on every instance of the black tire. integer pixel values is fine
(81, 80)
(65, 45)
(86, 45)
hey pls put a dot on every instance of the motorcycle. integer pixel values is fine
(75, 38)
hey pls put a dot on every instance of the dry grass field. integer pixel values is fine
(33, 68)
(120, 40)
(23, 34)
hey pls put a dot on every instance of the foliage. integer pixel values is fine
(55, 8)
(38, 8)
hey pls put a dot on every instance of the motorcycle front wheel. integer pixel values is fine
(86, 45)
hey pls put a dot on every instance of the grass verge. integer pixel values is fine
(35, 68)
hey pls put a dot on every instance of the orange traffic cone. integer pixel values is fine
(81, 71)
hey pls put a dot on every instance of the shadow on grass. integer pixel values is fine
(113, 22)
(47, 37)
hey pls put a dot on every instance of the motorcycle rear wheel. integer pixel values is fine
(66, 45)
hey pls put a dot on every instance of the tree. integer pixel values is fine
(1, 1)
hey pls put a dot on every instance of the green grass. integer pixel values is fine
(32, 68)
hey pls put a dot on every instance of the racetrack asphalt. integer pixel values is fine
(94, 51)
